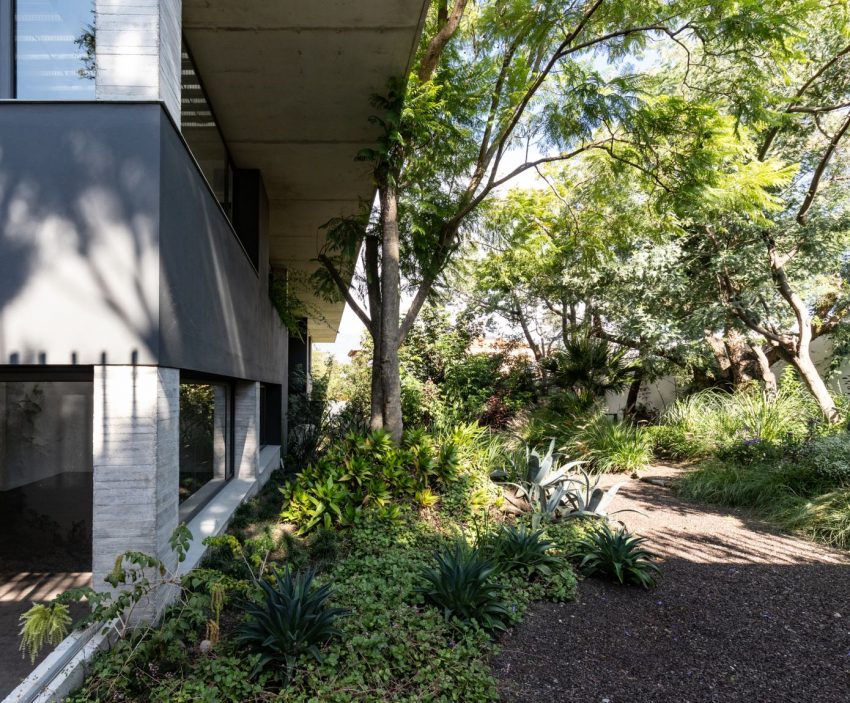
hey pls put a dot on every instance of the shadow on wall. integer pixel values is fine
(78, 236)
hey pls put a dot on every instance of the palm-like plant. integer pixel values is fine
(462, 585)
(589, 365)
(618, 555)
(293, 619)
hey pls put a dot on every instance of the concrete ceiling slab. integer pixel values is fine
(290, 83)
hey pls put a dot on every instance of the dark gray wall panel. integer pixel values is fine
(79, 244)
(216, 316)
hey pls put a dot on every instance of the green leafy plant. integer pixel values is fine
(520, 549)
(462, 585)
(613, 446)
(618, 555)
(584, 498)
(43, 624)
(293, 619)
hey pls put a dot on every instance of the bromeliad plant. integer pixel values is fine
(293, 619)
(463, 586)
(618, 555)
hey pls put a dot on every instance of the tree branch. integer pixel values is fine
(439, 41)
(344, 289)
(819, 171)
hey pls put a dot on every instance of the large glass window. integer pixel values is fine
(202, 134)
(45, 475)
(205, 425)
(54, 49)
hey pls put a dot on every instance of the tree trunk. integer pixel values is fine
(373, 288)
(632, 397)
(390, 305)
(809, 373)
(767, 375)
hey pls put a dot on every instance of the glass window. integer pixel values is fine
(46, 475)
(55, 49)
(202, 134)
(204, 442)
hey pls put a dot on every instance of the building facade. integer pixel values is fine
(160, 163)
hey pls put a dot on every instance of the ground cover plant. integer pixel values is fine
(395, 605)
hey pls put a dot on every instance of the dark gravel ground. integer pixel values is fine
(741, 614)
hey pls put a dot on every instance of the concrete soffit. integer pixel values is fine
(290, 83)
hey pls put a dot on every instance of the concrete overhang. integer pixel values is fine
(290, 83)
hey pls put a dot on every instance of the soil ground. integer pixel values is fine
(741, 613)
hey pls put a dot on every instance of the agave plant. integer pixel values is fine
(619, 555)
(462, 586)
(584, 498)
(292, 620)
(521, 549)
(542, 480)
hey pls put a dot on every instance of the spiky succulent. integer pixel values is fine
(619, 555)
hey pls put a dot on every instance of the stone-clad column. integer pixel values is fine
(139, 51)
(136, 463)
(246, 430)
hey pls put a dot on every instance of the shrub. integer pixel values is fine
(463, 587)
(520, 549)
(613, 446)
(618, 555)
(292, 620)
(366, 471)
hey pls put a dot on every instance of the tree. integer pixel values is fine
(502, 82)
(765, 220)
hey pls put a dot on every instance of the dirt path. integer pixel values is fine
(741, 614)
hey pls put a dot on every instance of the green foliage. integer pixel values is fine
(293, 619)
(367, 471)
(618, 555)
(520, 549)
(799, 485)
(712, 421)
(613, 446)
(590, 367)
(43, 624)
(463, 586)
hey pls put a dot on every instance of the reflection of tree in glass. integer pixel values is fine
(197, 411)
(87, 44)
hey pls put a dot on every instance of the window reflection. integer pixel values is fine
(55, 49)
(201, 132)
(204, 442)
(45, 475)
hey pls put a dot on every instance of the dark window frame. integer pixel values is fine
(8, 59)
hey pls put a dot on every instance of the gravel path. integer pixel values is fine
(741, 614)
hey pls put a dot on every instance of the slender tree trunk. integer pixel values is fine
(767, 375)
(632, 397)
(373, 288)
(390, 306)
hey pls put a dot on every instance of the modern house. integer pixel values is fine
(161, 162)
